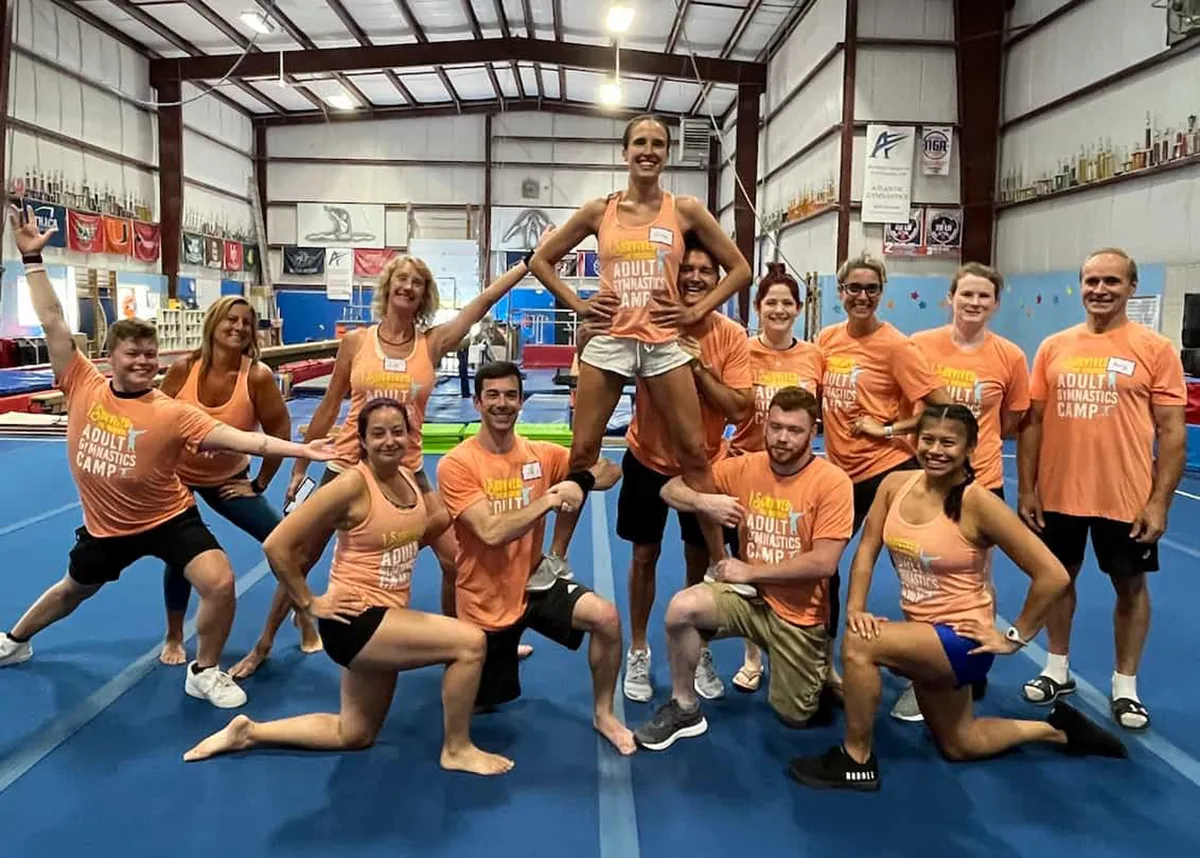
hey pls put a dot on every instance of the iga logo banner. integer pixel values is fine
(935, 150)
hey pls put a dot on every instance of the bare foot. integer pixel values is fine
(250, 663)
(617, 733)
(477, 762)
(235, 737)
(173, 653)
(310, 640)
(524, 651)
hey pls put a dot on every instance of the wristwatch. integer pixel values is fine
(1015, 636)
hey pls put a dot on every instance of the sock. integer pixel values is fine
(197, 669)
(1056, 667)
(1124, 686)
(15, 639)
(690, 708)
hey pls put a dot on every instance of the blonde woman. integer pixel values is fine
(397, 358)
(225, 379)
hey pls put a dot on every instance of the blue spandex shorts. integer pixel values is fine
(968, 669)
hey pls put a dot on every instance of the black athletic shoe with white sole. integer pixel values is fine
(670, 722)
(835, 769)
(1085, 738)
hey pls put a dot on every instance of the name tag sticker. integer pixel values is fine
(661, 235)
(395, 364)
(531, 471)
(1121, 365)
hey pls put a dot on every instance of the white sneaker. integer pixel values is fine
(12, 652)
(214, 685)
(747, 591)
(907, 708)
(637, 675)
(708, 684)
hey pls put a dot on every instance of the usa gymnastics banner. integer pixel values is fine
(888, 173)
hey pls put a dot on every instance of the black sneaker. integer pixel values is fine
(669, 723)
(835, 769)
(1084, 737)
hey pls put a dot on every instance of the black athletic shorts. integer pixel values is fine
(1117, 554)
(343, 641)
(642, 513)
(549, 613)
(177, 542)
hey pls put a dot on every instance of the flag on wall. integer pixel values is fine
(118, 235)
(303, 260)
(233, 256)
(250, 257)
(147, 241)
(943, 231)
(936, 142)
(49, 215)
(887, 173)
(369, 262)
(339, 273)
(85, 232)
(906, 238)
(193, 249)
(212, 252)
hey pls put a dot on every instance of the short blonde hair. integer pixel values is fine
(430, 302)
(862, 263)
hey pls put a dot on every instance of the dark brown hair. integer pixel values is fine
(777, 276)
(644, 117)
(978, 269)
(796, 399)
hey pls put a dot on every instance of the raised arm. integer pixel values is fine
(225, 437)
(712, 236)
(30, 241)
(273, 416)
(585, 222)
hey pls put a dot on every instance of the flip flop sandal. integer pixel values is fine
(747, 681)
(1125, 709)
(1046, 690)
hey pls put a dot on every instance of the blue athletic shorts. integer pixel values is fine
(968, 669)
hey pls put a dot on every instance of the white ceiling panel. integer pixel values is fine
(378, 88)
(528, 78)
(720, 99)
(379, 18)
(550, 82)
(508, 81)
(707, 28)
(286, 97)
(425, 87)
(677, 96)
(471, 83)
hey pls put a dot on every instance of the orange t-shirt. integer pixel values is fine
(723, 349)
(771, 370)
(869, 376)
(216, 467)
(784, 516)
(1098, 426)
(374, 560)
(373, 375)
(990, 379)
(944, 578)
(636, 262)
(123, 451)
(490, 588)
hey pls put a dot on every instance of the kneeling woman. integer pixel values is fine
(939, 527)
(382, 520)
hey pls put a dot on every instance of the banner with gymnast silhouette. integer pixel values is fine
(520, 227)
(340, 225)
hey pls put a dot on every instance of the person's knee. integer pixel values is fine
(857, 650)
(213, 580)
(72, 593)
(958, 746)
(356, 737)
(686, 607)
(605, 619)
(1130, 589)
(645, 558)
(473, 649)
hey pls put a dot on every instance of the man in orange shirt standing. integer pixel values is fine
(795, 513)
(1103, 392)
(498, 488)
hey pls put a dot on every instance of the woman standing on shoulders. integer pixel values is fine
(225, 379)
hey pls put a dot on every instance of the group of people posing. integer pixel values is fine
(912, 426)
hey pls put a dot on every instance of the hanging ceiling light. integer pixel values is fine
(620, 17)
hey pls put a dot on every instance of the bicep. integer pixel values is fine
(1169, 419)
(829, 551)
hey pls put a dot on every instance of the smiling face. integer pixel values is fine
(698, 276)
(499, 403)
(1105, 286)
(645, 149)
(943, 446)
(777, 311)
(973, 300)
(860, 291)
(134, 364)
(406, 290)
(235, 330)
(386, 437)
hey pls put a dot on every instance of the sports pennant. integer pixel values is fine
(233, 256)
(370, 261)
(118, 235)
(193, 249)
(147, 241)
(304, 260)
(85, 232)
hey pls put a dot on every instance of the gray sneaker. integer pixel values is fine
(637, 676)
(907, 708)
(12, 652)
(670, 723)
(708, 684)
(543, 576)
(745, 590)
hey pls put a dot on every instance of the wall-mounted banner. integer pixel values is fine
(907, 238)
(85, 233)
(232, 252)
(943, 231)
(519, 228)
(887, 173)
(118, 235)
(49, 215)
(214, 252)
(303, 260)
(370, 261)
(936, 142)
(339, 224)
(250, 257)
(147, 241)
(193, 249)
(339, 273)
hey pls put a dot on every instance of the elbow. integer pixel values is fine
(827, 570)
(743, 410)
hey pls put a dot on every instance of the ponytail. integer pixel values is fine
(952, 506)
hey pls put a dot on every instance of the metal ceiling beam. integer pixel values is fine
(363, 39)
(672, 40)
(557, 15)
(422, 39)
(739, 30)
(477, 32)
(468, 52)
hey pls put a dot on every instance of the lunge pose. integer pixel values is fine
(225, 379)
(499, 488)
(124, 440)
(939, 526)
(382, 518)
(1104, 393)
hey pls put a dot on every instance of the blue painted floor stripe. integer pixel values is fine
(38, 746)
(618, 813)
(34, 519)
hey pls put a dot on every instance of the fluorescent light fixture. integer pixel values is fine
(610, 93)
(341, 101)
(258, 22)
(620, 17)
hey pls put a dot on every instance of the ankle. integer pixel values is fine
(859, 753)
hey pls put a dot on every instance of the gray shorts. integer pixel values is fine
(633, 358)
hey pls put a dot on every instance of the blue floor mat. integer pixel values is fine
(14, 382)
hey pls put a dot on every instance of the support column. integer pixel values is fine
(170, 181)
(979, 51)
(846, 161)
(746, 164)
(6, 37)
(485, 223)
(259, 153)
(714, 174)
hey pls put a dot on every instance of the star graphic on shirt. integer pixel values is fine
(926, 560)
(854, 373)
(1112, 380)
(132, 435)
(661, 255)
(794, 520)
(979, 391)
(526, 491)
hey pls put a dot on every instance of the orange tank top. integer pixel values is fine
(372, 375)
(637, 263)
(944, 578)
(213, 469)
(374, 559)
